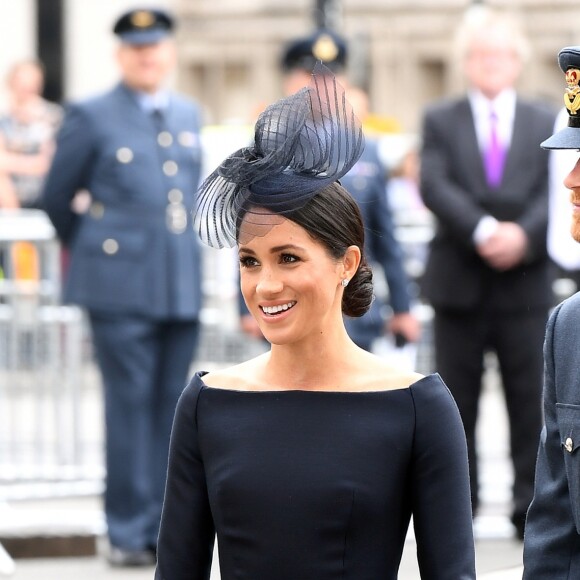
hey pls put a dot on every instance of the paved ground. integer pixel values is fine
(498, 554)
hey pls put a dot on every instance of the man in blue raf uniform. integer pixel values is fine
(552, 533)
(366, 181)
(134, 264)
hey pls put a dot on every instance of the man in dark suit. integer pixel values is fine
(552, 538)
(134, 264)
(488, 275)
(366, 181)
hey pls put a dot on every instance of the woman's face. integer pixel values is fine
(290, 283)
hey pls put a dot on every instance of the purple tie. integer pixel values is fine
(494, 154)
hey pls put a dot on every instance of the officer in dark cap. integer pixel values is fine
(134, 264)
(366, 181)
(143, 26)
(322, 45)
(552, 534)
(301, 54)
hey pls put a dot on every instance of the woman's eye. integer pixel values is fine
(289, 258)
(247, 261)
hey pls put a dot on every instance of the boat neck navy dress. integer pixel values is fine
(316, 485)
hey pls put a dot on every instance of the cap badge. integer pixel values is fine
(572, 94)
(142, 19)
(325, 48)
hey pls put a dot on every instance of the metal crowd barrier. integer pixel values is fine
(42, 404)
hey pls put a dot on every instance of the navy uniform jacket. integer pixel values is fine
(552, 536)
(366, 182)
(128, 253)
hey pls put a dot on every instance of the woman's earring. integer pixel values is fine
(344, 282)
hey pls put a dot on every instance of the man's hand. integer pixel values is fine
(505, 248)
(405, 324)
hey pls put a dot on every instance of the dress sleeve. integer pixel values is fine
(440, 494)
(186, 536)
(551, 543)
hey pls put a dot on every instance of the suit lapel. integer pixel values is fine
(520, 140)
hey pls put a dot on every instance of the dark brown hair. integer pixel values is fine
(332, 217)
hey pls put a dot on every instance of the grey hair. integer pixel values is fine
(478, 18)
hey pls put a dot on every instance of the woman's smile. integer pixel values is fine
(275, 310)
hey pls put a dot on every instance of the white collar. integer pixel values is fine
(153, 102)
(504, 104)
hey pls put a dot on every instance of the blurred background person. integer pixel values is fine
(134, 265)
(27, 132)
(366, 181)
(488, 273)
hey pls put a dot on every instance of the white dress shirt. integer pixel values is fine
(504, 106)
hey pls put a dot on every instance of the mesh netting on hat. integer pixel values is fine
(301, 144)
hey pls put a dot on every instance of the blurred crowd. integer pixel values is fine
(462, 217)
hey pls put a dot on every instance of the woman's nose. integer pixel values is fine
(269, 283)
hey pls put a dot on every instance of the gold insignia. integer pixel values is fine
(572, 94)
(325, 48)
(142, 19)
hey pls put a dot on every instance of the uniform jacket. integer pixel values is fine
(552, 536)
(131, 252)
(454, 188)
(366, 182)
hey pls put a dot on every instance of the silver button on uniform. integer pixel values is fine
(110, 246)
(164, 139)
(176, 218)
(186, 138)
(175, 195)
(124, 155)
(97, 210)
(170, 168)
(569, 445)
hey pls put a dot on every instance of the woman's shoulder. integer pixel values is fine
(376, 374)
(431, 395)
(238, 377)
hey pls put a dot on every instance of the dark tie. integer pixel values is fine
(494, 157)
(157, 116)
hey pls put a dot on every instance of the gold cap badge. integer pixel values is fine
(572, 94)
(325, 48)
(142, 19)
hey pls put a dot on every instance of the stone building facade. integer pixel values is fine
(402, 51)
(230, 49)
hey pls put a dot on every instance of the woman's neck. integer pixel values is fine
(317, 362)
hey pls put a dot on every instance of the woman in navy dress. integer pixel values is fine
(309, 461)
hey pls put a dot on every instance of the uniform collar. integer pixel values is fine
(149, 102)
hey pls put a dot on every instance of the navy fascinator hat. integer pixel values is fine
(302, 143)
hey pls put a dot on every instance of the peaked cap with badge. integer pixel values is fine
(322, 46)
(569, 137)
(144, 26)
